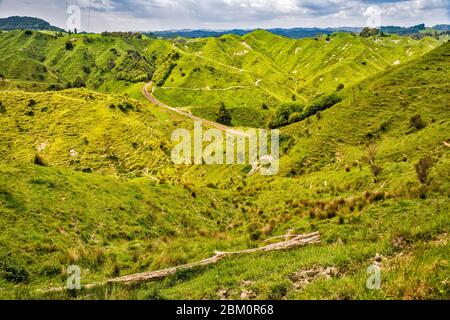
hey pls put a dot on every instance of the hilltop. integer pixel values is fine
(293, 33)
(27, 23)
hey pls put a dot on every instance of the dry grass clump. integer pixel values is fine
(327, 209)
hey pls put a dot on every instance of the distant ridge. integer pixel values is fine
(294, 33)
(29, 23)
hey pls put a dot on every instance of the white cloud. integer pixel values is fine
(169, 14)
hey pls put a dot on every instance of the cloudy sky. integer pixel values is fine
(147, 15)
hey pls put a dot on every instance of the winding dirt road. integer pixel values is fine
(209, 123)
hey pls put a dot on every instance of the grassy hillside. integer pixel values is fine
(101, 62)
(85, 131)
(370, 174)
(30, 23)
(262, 69)
(54, 217)
(251, 75)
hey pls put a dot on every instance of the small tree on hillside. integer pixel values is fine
(422, 169)
(417, 122)
(371, 153)
(79, 83)
(69, 45)
(224, 116)
(369, 32)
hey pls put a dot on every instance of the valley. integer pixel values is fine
(86, 177)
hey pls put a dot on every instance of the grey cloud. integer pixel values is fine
(167, 14)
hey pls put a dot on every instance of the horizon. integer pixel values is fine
(236, 28)
(221, 15)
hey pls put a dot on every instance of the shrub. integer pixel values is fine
(422, 169)
(124, 106)
(211, 185)
(86, 69)
(54, 87)
(376, 170)
(371, 153)
(295, 117)
(369, 32)
(12, 271)
(69, 45)
(321, 104)
(278, 291)
(384, 126)
(340, 87)
(2, 108)
(417, 122)
(38, 160)
(224, 116)
(116, 270)
(28, 32)
(78, 83)
(255, 235)
(283, 112)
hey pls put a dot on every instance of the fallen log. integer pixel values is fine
(296, 241)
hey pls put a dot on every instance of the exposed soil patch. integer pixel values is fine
(303, 277)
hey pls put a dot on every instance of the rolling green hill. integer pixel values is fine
(85, 177)
(40, 61)
(264, 69)
(252, 74)
(104, 134)
(30, 23)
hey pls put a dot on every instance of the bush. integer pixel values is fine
(2, 108)
(39, 161)
(125, 106)
(319, 115)
(79, 83)
(255, 235)
(295, 117)
(369, 32)
(278, 291)
(371, 153)
(376, 170)
(321, 104)
(86, 69)
(283, 113)
(417, 122)
(12, 271)
(422, 169)
(69, 45)
(340, 87)
(31, 103)
(224, 116)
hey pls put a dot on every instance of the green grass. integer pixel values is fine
(285, 68)
(138, 212)
(242, 72)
